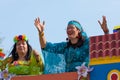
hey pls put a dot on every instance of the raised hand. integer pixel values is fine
(39, 26)
(104, 25)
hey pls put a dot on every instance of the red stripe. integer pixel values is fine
(2, 54)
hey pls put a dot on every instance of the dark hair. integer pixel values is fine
(15, 56)
(78, 44)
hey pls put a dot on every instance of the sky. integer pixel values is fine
(17, 17)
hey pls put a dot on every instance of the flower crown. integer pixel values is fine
(20, 37)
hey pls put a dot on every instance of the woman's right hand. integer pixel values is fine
(39, 26)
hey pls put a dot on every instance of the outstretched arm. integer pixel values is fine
(40, 28)
(104, 25)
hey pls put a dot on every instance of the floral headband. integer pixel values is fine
(20, 37)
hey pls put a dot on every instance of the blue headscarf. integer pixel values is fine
(78, 25)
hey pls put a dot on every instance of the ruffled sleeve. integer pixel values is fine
(54, 58)
(3, 63)
(37, 66)
(57, 48)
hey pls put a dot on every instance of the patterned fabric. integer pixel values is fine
(58, 58)
(31, 67)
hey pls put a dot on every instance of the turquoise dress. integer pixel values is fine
(59, 58)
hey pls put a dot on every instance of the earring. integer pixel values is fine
(67, 39)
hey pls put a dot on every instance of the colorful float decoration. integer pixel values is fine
(104, 62)
(83, 72)
(105, 57)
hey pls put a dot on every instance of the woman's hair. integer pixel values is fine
(81, 39)
(15, 56)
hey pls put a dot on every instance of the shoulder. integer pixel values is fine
(8, 59)
(87, 40)
(35, 52)
(57, 44)
(36, 55)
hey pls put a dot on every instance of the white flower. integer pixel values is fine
(5, 75)
(83, 70)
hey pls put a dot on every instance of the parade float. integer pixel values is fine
(105, 57)
(104, 62)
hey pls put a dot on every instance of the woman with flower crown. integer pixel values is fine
(23, 60)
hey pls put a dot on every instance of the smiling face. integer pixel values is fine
(21, 48)
(72, 32)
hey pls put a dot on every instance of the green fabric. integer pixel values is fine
(3, 63)
(19, 70)
(34, 66)
(31, 67)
